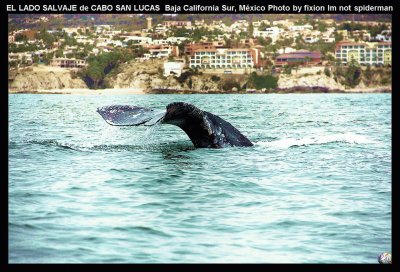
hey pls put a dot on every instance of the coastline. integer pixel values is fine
(109, 91)
(126, 91)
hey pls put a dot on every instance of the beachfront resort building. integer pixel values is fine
(302, 57)
(225, 58)
(365, 53)
(190, 48)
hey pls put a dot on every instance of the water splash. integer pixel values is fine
(350, 138)
(149, 135)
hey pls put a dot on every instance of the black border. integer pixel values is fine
(185, 267)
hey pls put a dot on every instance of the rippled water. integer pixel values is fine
(316, 186)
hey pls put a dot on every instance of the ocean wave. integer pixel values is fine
(350, 138)
(62, 145)
(89, 147)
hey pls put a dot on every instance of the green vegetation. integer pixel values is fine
(99, 66)
(349, 76)
(353, 75)
(184, 76)
(260, 82)
(215, 78)
(26, 47)
(264, 41)
(109, 63)
(21, 38)
(228, 85)
(373, 29)
(48, 39)
(327, 72)
(377, 76)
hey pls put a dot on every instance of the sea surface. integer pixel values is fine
(314, 188)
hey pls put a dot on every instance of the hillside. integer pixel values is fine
(135, 22)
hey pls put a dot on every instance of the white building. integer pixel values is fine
(311, 39)
(159, 42)
(271, 32)
(138, 39)
(173, 68)
(176, 39)
(160, 29)
(300, 27)
(68, 63)
(364, 53)
(225, 58)
(383, 38)
(162, 52)
(284, 23)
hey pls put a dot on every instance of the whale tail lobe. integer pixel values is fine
(203, 128)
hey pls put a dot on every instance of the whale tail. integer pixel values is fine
(203, 128)
(126, 115)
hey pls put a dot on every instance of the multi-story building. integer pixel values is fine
(192, 47)
(68, 63)
(225, 58)
(298, 57)
(377, 53)
(163, 51)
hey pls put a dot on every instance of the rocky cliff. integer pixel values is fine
(149, 75)
(42, 77)
(316, 82)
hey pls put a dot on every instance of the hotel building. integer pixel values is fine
(225, 58)
(192, 47)
(364, 53)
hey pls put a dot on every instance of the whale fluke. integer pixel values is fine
(203, 128)
(125, 115)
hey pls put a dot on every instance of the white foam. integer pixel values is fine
(350, 138)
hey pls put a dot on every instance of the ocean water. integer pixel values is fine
(314, 188)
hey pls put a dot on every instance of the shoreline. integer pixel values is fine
(122, 91)
(108, 91)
